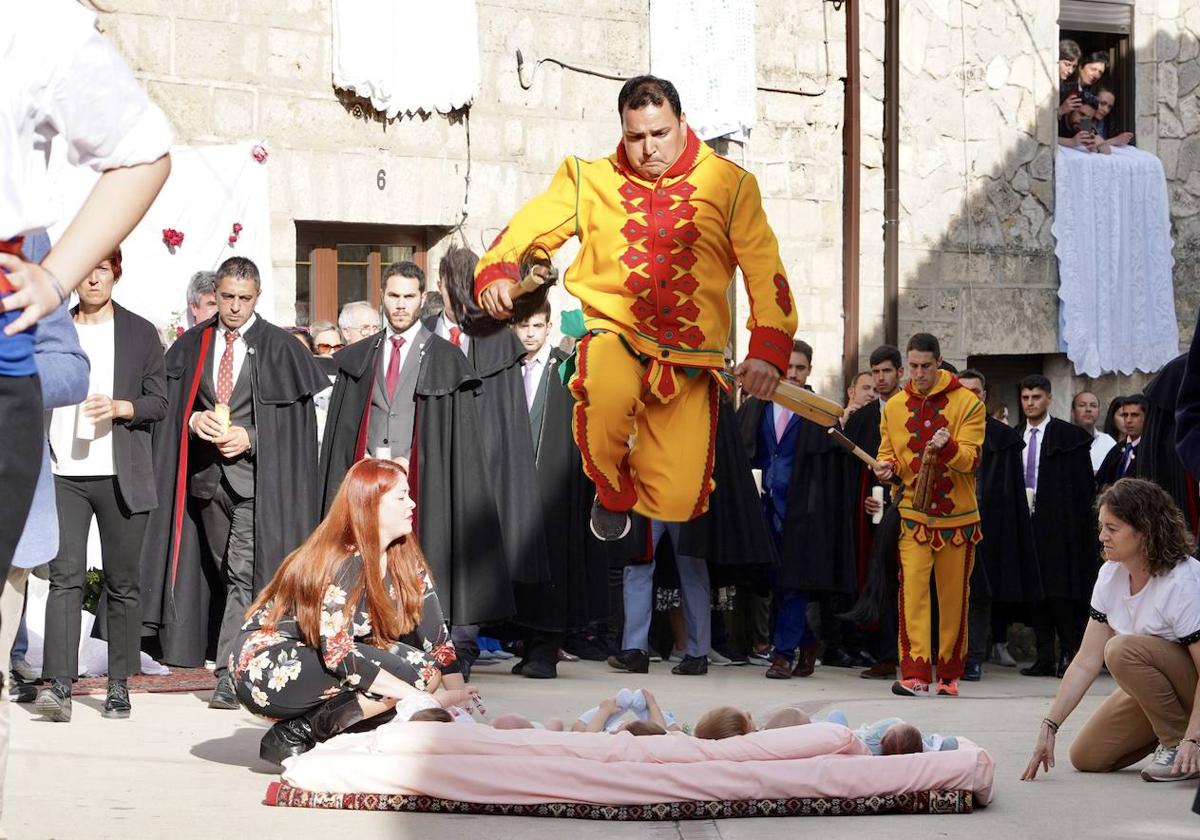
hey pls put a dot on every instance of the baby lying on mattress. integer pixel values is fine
(889, 736)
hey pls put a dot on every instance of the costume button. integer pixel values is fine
(666, 354)
(661, 191)
(668, 334)
(666, 310)
(927, 424)
(662, 284)
(660, 258)
(658, 212)
(385, 440)
(662, 231)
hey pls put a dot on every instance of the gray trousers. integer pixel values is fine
(228, 521)
(694, 592)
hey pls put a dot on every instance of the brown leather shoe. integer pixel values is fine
(880, 671)
(781, 668)
(806, 661)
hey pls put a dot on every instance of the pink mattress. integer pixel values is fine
(479, 765)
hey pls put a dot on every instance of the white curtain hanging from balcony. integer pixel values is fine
(706, 49)
(407, 56)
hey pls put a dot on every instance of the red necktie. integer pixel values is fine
(225, 370)
(392, 378)
(456, 337)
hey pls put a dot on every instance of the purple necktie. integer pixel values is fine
(1031, 461)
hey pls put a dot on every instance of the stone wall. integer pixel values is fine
(227, 70)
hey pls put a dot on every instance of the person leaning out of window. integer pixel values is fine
(103, 467)
(1145, 626)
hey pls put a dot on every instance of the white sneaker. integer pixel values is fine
(676, 655)
(715, 658)
(1161, 768)
(1001, 656)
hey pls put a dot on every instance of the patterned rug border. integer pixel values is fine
(180, 679)
(283, 795)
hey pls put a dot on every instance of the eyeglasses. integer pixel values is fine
(323, 348)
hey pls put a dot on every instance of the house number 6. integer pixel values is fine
(381, 178)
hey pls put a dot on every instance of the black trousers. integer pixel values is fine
(228, 523)
(1065, 617)
(20, 458)
(979, 622)
(121, 532)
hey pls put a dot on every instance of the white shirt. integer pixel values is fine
(1101, 444)
(534, 377)
(1168, 605)
(385, 358)
(443, 329)
(1037, 449)
(239, 349)
(59, 76)
(72, 456)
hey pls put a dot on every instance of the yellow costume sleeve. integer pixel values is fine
(886, 453)
(772, 321)
(547, 220)
(961, 454)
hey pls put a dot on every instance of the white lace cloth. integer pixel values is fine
(1112, 231)
(706, 49)
(406, 56)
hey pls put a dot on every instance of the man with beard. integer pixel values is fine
(234, 458)
(1058, 469)
(405, 392)
(1006, 571)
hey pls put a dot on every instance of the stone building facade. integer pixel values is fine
(979, 87)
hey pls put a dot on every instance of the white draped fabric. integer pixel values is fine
(406, 56)
(1112, 231)
(706, 49)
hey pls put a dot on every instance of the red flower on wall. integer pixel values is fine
(172, 239)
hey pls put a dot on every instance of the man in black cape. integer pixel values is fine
(231, 505)
(576, 592)
(431, 418)
(1005, 573)
(808, 516)
(1123, 459)
(862, 427)
(1064, 527)
(1158, 461)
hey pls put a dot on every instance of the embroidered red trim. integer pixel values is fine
(783, 294)
(623, 496)
(771, 345)
(706, 483)
(496, 271)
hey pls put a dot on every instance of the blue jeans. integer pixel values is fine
(694, 592)
(791, 622)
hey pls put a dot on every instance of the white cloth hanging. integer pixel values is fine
(1112, 230)
(706, 49)
(407, 57)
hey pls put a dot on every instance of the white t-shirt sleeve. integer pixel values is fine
(1183, 604)
(1102, 593)
(92, 100)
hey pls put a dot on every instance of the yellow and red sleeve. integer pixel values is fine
(961, 453)
(547, 220)
(773, 320)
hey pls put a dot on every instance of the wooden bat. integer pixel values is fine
(810, 406)
(855, 450)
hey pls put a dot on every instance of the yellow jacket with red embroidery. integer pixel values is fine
(656, 258)
(908, 421)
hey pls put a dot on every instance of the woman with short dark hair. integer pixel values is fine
(1145, 626)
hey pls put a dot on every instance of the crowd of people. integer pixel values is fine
(466, 486)
(1085, 104)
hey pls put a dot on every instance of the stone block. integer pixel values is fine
(1011, 321)
(1189, 76)
(1167, 84)
(143, 40)
(217, 51)
(1146, 79)
(308, 15)
(299, 59)
(187, 106)
(234, 113)
(195, 9)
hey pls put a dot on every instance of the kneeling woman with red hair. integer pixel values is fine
(349, 625)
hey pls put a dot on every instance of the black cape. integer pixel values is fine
(1111, 465)
(457, 523)
(732, 535)
(508, 451)
(1158, 461)
(576, 592)
(1064, 523)
(817, 545)
(1006, 567)
(862, 428)
(181, 590)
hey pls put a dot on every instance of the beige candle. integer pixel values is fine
(877, 495)
(222, 412)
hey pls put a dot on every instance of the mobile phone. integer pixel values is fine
(1085, 124)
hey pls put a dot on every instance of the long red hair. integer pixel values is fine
(351, 527)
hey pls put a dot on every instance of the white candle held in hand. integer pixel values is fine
(877, 495)
(85, 427)
(1030, 494)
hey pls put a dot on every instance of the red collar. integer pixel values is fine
(683, 164)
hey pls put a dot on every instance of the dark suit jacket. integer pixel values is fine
(140, 378)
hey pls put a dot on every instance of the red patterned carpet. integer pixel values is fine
(180, 679)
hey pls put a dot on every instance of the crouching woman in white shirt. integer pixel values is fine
(1145, 626)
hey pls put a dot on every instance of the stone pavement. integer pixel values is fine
(178, 770)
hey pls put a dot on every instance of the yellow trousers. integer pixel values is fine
(949, 558)
(646, 430)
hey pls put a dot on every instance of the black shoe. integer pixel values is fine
(116, 701)
(586, 647)
(519, 668)
(1040, 669)
(300, 734)
(54, 701)
(838, 658)
(633, 660)
(972, 672)
(691, 666)
(609, 525)
(22, 692)
(538, 670)
(223, 696)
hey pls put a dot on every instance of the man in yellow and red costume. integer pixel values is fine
(939, 527)
(662, 224)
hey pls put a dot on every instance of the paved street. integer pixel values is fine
(177, 770)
